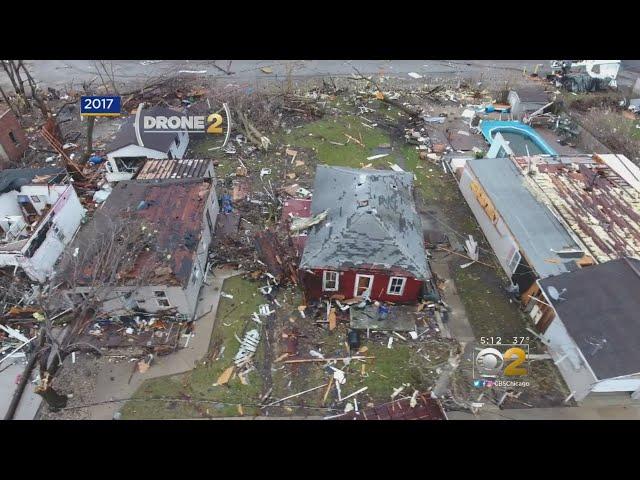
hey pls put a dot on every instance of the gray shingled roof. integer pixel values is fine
(386, 233)
(14, 178)
(155, 141)
(532, 95)
(537, 231)
(600, 311)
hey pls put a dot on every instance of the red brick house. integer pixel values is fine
(371, 240)
(13, 141)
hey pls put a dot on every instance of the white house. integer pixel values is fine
(39, 215)
(594, 328)
(180, 216)
(125, 154)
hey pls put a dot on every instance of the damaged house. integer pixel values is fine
(591, 325)
(13, 141)
(546, 216)
(127, 151)
(527, 238)
(39, 215)
(370, 243)
(159, 232)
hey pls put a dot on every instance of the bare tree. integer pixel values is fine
(107, 75)
(101, 265)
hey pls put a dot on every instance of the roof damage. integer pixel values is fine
(598, 205)
(372, 221)
(172, 211)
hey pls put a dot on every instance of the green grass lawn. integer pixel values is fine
(318, 135)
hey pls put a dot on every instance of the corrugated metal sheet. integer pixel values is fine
(173, 169)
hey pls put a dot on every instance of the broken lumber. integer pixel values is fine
(464, 256)
(296, 395)
(308, 360)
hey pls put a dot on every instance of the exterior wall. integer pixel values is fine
(9, 204)
(498, 235)
(624, 384)
(135, 151)
(11, 151)
(573, 368)
(66, 216)
(121, 300)
(346, 285)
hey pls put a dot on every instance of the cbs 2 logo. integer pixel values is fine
(491, 361)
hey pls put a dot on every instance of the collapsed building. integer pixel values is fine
(371, 243)
(39, 215)
(146, 247)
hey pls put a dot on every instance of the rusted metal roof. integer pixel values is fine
(171, 210)
(298, 207)
(597, 204)
(174, 169)
(427, 408)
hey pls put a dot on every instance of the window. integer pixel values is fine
(58, 232)
(209, 222)
(329, 281)
(396, 285)
(515, 261)
(161, 298)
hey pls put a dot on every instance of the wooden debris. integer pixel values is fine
(225, 376)
(296, 395)
(326, 393)
(332, 318)
(308, 360)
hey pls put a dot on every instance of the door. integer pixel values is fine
(363, 283)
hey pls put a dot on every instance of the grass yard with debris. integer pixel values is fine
(341, 140)
(193, 394)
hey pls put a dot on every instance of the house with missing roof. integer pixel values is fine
(591, 326)
(176, 220)
(371, 241)
(126, 153)
(39, 215)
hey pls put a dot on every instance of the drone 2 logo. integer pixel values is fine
(176, 124)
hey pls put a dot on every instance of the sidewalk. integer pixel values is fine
(112, 380)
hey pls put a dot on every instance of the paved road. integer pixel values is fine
(58, 73)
